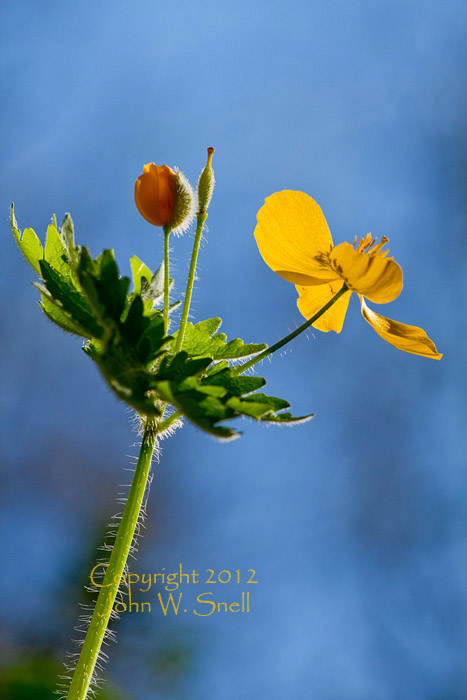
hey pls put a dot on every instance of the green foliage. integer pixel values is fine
(149, 286)
(124, 334)
(200, 340)
(221, 395)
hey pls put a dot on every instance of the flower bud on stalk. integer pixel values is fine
(206, 184)
(164, 197)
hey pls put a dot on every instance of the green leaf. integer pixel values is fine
(202, 410)
(273, 403)
(105, 289)
(179, 366)
(257, 405)
(57, 255)
(152, 341)
(236, 385)
(150, 286)
(55, 312)
(73, 302)
(139, 272)
(153, 289)
(287, 418)
(207, 327)
(209, 400)
(31, 248)
(135, 323)
(217, 367)
(67, 234)
(252, 409)
(199, 340)
(29, 244)
(237, 348)
(14, 224)
(232, 399)
(113, 288)
(192, 383)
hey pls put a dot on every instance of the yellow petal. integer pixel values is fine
(312, 299)
(374, 276)
(291, 231)
(407, 338)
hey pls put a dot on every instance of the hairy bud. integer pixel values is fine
(164, 197)
(206, 184)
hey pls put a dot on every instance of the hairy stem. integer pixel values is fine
(82, 676)
(167, 231)
(200, 219)
(280, 343)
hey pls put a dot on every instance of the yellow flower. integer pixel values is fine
(155, 192)
(294, 240)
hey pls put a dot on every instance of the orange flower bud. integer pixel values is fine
(155, 194)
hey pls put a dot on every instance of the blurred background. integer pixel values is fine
(355, 522)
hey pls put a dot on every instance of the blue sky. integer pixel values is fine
(356, 521)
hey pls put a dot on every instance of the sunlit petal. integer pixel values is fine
(155, 193)
(312, 299)
(407, 338)
(374, 276)
(290, 233)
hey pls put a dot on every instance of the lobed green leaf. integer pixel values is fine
(199, 339)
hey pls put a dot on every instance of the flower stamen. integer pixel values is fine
(369, 246)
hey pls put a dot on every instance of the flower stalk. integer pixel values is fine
(83, 673)
(200, 219)
(167, 230)
(205, 190)
(280, 343)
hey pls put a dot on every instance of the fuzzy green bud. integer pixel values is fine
(206, 184)
(184, 204)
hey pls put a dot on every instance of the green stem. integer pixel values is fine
(82, 675)
(200, 219)
(242, 368)
(169, 421)
(167, 231)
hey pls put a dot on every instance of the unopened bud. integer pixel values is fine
(206, 184)
(163, 197)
